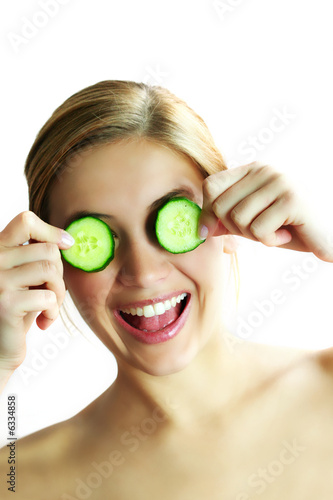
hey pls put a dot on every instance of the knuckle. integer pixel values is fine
(211, 186)
(28, 218)
(264, 169)
(52, 250)
(273, 174)
(256, 229)
(255, 167)
(260, 164)
(281, 179)
(6, 302)
(287, 197)
(237, 216)
(206, 185)
(268, 240)
(49, 296)
(47, 267)
(217, 207)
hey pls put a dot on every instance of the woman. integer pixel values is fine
(186, 417)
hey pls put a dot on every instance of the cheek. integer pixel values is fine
(89, 291)
(205, 265)
(214, 259)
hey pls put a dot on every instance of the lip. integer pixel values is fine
(163, 335)
(143, 303)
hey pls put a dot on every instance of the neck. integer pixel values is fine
(212, 383)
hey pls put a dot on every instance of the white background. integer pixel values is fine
(237, 63)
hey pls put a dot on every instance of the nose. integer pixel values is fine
(143, 265)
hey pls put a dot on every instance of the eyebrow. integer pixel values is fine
(181, 191)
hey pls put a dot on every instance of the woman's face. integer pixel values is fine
(124, 181)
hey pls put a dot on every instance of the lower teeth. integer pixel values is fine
(183, 304)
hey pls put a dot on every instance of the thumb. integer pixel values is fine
(210, 225)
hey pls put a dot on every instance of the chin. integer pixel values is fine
(172, 357)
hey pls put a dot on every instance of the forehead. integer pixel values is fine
(115, 177)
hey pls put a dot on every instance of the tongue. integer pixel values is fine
(156, 322)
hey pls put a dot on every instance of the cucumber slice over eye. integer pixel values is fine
(176, 225)
(93, 249)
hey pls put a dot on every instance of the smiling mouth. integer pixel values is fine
(156, 322)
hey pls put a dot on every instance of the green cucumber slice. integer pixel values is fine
(93, 249)
(176, 225)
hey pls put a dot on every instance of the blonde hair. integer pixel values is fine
(107, 112)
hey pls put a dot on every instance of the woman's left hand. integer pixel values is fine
(257, 202)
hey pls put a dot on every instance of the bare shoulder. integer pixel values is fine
(39, 460)
(303, 376)
(52, 461)
(54, 440)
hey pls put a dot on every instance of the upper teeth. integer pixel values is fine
(155, 309)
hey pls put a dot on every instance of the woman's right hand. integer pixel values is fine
(31, 280)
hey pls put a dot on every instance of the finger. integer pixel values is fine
(42, 322)
(212, 187)
(33, 301)
(268, 226)
(26, 226)
(35, 274)
(250, 206)
(228, 206)
(218, 183)
(214, 226)
(23, 254)
(208, 222)
(312, 237)
(215, 185)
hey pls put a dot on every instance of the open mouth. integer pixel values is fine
(158, 325)
(158, 321)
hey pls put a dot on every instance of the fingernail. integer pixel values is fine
(67, 239)
(203, 232)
